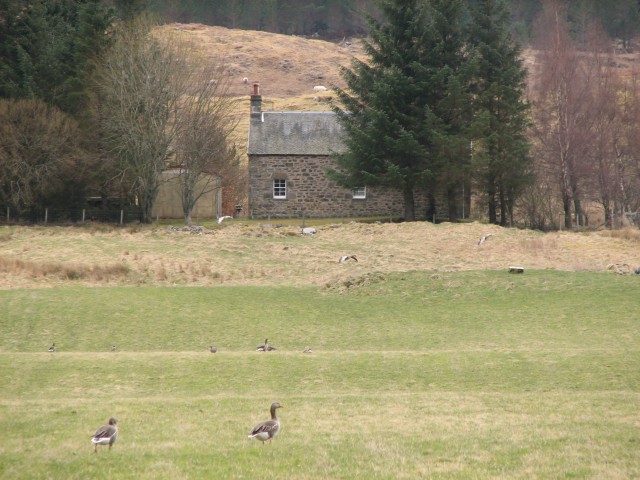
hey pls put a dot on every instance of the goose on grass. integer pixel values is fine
(52, 348)
(105, 435)
(265, 431)
(266, 347)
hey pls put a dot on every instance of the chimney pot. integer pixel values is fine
(256, 102)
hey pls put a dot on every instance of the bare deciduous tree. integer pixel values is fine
(605, 114)
(136, 97)
(157, 108)
(627, 147)
(38, 145)
(561, 104)
(204, 153)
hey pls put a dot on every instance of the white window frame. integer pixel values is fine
(359, 193)
(279, 188)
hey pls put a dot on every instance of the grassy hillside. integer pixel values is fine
(254, 253)
(455, 375)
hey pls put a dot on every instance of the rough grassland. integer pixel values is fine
(268, 254)
(430, 360)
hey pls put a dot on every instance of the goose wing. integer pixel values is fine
(270, 427)
(105, 431)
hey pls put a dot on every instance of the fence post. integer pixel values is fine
(121, 217)
(46, 215)
(83, 215)
(8, 214)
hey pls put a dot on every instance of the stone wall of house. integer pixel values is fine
(311, 194)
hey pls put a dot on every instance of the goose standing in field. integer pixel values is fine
(52, 348)
(265, 431)
(307, 350)
(266, 347)
(105, 435)
(213, 349)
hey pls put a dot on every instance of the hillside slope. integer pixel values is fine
(264, 254)
(284, 65)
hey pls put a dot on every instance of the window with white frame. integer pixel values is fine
(279, 188)
(360, 192)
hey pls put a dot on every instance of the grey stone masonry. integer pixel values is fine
(309, 193)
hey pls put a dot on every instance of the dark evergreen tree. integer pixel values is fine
(88, 39)
(129, 9)
(47, 48)
(620, 18)
(448, 75)
(500, 150)
(407, 110)
(384, 112)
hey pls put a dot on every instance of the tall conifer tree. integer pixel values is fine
(500, 150)
(448, 76)
(47, 47)
(406, 109)
(384, 106)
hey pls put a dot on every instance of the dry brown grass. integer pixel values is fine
(284, 65)
(630, 234)
(61, 271)
(241, 254)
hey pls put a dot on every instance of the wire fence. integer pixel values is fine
(45, 216)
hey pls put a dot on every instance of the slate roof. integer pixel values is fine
(295, 133)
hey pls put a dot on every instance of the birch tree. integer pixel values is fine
(561, 110)
(205, 155)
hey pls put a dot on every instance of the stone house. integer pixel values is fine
(289, 153)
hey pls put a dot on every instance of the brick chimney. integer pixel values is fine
(256, 102)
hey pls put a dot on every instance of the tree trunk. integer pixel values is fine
(491, 200)
(452, 204)
(608, 217)
(431, 209)
(566, 205)
(503, 209)
(409, 204)
(577, 205)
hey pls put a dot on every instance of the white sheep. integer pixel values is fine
(319, 88)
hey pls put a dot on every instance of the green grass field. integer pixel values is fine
(466, 375)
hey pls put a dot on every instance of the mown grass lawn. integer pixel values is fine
(414, 375)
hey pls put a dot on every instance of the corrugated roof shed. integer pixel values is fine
(295, 133)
